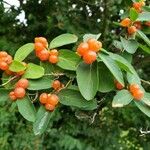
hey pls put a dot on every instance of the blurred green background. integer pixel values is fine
(112, 129)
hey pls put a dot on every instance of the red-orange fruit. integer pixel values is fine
(12, 96)
(132, 29)
(54, 52)
(53, 59)
(138, 95)
(43, 55)
(89, 57)
(138, 25)
(118, 85)
(3, 54)
(3, 65)
(38, 47)
(43, 98)
(82, 48)
(24, 83)
(52, 99)
(41, 40)
(19, 92)
(125, 22)
(94, 45)
(134, 87)
(49, 107)
(56, 84)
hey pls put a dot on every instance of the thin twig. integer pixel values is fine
(144, 81)
(144, 132)
(36, 96)
(11, 79)
(54, 74)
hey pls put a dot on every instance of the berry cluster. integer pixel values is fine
(41, 51)
(57, 85)
(5, 60)
(136, 92)
(88, 50)
(49, 100)
(19, 91)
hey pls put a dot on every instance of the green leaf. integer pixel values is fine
(144, 16)
(144, 108)
(40, 84)
(122, 62)
(133, 78)
(129, 45)
(122, 98)
(91, 36)
(144, 37)
(145, 48)
(118, 44)
(16, 66)
(33, 71)
(88, 80)
(63, 39)
(42, 120)
(112, 66)
(24, 51)
(71, 97)
(68, 60)
(133, 14)
(4, 95)
(51, 68)
(106, 80)
(26, 109)
(146, 98)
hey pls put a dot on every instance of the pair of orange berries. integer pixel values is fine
(136, 92)
(89, 49)
(49, 100)
(19, 91)
(128, 23)
(57, 85)
(138, 6)
(5, 60)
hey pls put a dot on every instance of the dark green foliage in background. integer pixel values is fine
(112, 128)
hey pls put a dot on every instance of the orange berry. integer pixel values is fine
(3, 54)
(147, 23)
(125, 22)
(43, 55)
(43, 98)
(56, 84)
(54, 52)
(118, 85)
(134, 87)
(12, 96)
(138, 6)
(138, 95)
(19, 92)
(94, 45)
(132, 30)
(138, 25)
(38, 47)
(53, 59)
(49, 107)
(82, 48)
(3, 65)
(89, 57)
(8, 59)
(41, 40)
(52, 99)
(24, 83)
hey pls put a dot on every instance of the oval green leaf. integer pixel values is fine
(40, 84)
(33, 71)
(26, 109)
(143, 107)
(146, 98)
(122, 98)
(63, 39)
(72, 97)
(24, 51)
(88, 80)
(42, 120)
(16, 66)
(68, 60)
(129, 45)
(133, 14)
(106, 80)
(91, 36)
(112, 66)
(144, 16)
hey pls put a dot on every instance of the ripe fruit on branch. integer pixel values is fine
(43, 98)
(43, 55)
(138, 25)
(82, 48)
(89, 57)
(56, 85)
(118, 85)
(38, 47)
(12, 96)
(49, 107)
(19, 92)
(41, 40)
(132, 29)
(125, 22)
(53, 59)
(54, 52)
(53, 99)
(24, 83)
